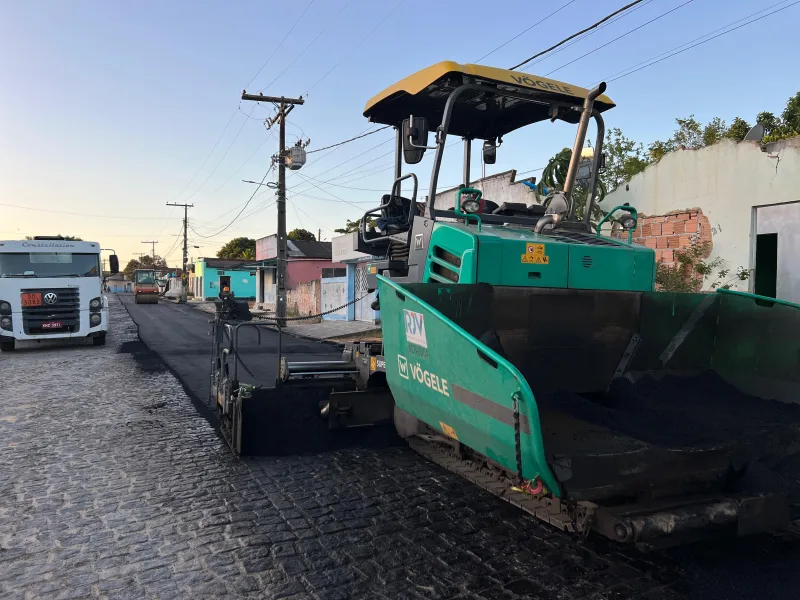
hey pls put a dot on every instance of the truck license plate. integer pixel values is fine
(31, 299)
(52, 325)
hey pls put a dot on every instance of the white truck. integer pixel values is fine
(52, 288)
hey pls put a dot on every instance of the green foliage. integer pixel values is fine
(689, 133)
(145, 262)
(301, 235)
(658, 149)
(624, 159)
(132, 265)
(739, 128)
(714, 131)
(790, 116)
(240, 247)
(770, 122)
(351, 226)
(692, 269)
(555, 175)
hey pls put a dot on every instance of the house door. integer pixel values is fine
(224, 280)
(766, 281)
(363, 311)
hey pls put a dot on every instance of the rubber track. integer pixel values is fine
(493, 484)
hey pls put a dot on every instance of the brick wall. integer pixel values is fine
(673, 231)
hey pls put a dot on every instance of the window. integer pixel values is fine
(328, 273)
(49, 264)
(145, 277)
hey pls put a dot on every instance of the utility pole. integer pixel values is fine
(184, 272)
(153, 243)
(285, 106)
(319, 235)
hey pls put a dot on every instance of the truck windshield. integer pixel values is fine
(49, 264)
(145, 277)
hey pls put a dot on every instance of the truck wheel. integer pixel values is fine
(99, 339)
(7, 346)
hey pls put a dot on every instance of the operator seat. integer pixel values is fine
(397, 216)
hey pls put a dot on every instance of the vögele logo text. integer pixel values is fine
(422, 375)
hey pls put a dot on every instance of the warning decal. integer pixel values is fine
(535, 255)
(448, 431)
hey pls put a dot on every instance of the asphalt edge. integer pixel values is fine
(202, 408)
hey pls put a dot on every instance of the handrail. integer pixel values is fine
(757, 297)
(395, 186)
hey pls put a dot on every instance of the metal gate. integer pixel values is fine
(363, 311)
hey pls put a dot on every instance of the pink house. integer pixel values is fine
(308, 261)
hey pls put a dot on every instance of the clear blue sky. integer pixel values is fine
(108, 109)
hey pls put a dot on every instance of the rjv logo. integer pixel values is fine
(415, 328)
(402, 366)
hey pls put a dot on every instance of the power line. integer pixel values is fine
(303, 51)
(244, 207)
(364, 39)
(62, 212)
(352, 139)
(268, 138)
(238, 109)
(278, 47)
(214, 147)
(524, 31)
(334, 195)
(574, 35)
(580, 38)
(680, 49)
(219, 162)
(619, 37)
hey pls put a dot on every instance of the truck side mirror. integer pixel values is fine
(489, 152)
(113, 263)
(415, 139)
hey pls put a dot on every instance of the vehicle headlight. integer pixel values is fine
(95, 319)
(5, 323)
(470, 206)
(5, 308)
(95, 304)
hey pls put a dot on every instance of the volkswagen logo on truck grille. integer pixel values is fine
(50, 298)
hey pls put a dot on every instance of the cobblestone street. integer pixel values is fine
(113, 485)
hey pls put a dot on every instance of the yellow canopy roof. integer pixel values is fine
(425, 93)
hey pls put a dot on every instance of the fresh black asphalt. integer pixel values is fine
(180, 335)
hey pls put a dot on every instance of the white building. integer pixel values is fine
(751, 196)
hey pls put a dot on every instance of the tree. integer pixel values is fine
(132, 265)
(739, 128)
(351, 226)
(624, 159)
(145, 262)
(770, 122)
(240, 247)
(791, 115)
(152, 262)
(67, 238)
(714, 131)
(689, 134)
(301, 235)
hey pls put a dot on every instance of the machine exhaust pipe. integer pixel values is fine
(577, 148)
